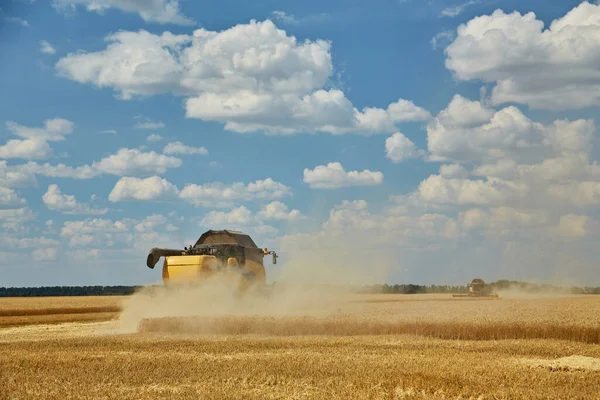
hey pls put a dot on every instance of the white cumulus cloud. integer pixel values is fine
(10, 176)
(468, 131)
(158, 11)
(334, 176)
(218, 194)
(55, 200)
(14, 219)
(124, 237)
(153, 188)
(33, 144)
(236, 217)
(136, 162)
(453, 171)
(12, 241)
(241, 216)
(133, 162)
(439, 190)
(180, 148)
(10, 199)
(553, 68)
(53, 130)
(46, 47)
(28, 171)
(28, 149)
(251, 77)
(277, 210)
(399, 148)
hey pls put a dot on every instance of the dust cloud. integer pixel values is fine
(219, 297)
(334, 259)
(520, 292)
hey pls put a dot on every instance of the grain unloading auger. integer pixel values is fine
(217, 252)
(478, 289)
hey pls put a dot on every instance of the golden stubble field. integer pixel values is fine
(302, 345)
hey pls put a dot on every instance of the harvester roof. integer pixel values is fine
(226, 237)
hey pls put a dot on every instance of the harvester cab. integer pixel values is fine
(228, 252)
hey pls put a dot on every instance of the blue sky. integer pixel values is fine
(170, 118)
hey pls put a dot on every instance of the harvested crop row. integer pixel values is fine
(55, 319)
(289, 326)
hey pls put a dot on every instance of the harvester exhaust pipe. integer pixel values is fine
(156, 253)
(267, 252)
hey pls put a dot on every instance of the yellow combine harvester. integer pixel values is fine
(216, 253)
(478, 289)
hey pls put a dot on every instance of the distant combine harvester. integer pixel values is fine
(478, 289)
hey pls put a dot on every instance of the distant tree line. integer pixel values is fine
(67, 291)
(382, 288)
(499, 285)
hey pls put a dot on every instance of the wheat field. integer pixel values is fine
(355, 346)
